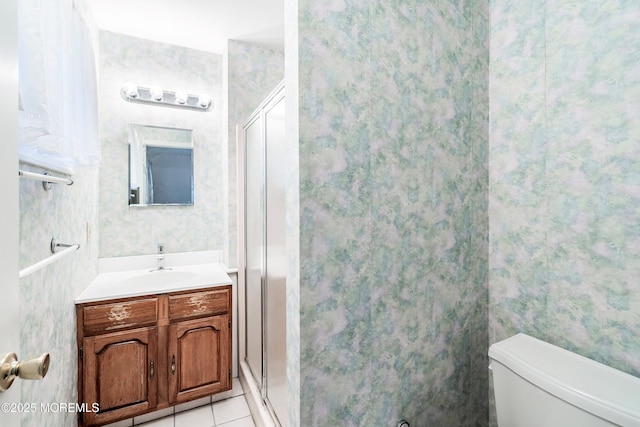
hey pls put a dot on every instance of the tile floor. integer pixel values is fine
(228, 409)
(232, 412)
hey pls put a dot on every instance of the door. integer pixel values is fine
(198, 359)
(265, 249)
(276, 259)
(9, 333)
(254, 244)
(121, 374)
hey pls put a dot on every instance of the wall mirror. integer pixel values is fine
(160, 166)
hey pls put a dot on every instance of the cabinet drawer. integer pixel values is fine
(120, 315)
(198, 304)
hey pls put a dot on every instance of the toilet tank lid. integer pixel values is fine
(585, 383)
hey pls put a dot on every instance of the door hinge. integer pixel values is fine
(229, 376)
(81, 353)
(229, 324)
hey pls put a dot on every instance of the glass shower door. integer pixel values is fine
(266, 261)
(254, 245)
(276, 259)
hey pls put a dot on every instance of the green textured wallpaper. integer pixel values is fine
(393, 117)
(564, 193)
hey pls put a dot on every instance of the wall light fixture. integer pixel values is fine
(155, 95)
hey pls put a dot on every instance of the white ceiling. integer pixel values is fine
(198, 24)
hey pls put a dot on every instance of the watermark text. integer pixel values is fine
(54, 407)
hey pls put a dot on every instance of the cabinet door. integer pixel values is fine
(199, 358)
(120, 374)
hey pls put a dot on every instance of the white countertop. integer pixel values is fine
(130, 283)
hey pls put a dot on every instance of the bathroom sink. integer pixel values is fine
(158, 278)
(146, 281)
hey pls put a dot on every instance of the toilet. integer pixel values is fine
(537, 384)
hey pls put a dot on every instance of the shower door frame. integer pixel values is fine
(259, 115)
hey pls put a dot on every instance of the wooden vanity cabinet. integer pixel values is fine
(141, 354)
(120, 374)
(199, 344)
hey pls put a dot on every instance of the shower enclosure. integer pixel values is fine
(265, 252)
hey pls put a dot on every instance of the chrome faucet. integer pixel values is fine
(160, 256)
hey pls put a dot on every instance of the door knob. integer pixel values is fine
(33, 368)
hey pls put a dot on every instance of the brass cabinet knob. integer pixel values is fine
(32, 368)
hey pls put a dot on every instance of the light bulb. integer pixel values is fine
(156, 93)
(181, 97)
(131, 90)
(204, 100)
